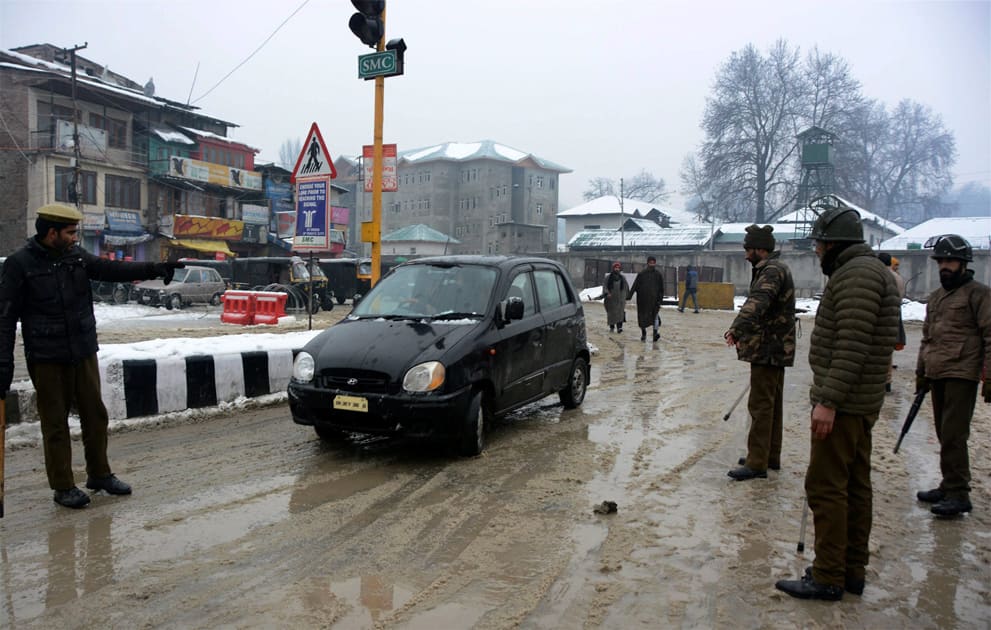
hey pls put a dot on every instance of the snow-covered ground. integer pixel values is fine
(911, 311)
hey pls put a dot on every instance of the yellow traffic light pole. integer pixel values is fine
(377, 169)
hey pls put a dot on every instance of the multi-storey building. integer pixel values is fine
(491, 198)
(154, 178)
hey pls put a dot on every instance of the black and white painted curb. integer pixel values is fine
(148, 387)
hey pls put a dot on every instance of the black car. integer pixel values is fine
(442, 345)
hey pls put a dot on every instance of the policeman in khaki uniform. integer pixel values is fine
(764, 335)
(856, 327)
(954, 353)
(46, 285)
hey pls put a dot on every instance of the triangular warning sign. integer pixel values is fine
(314, 160)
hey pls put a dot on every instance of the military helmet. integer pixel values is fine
(837, 221)
(60, 213)
(951, 246)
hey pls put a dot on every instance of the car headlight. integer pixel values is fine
(302, 367)
(424, 377)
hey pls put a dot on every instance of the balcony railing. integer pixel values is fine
(92, 145)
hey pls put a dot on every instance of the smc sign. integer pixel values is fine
(377, 64)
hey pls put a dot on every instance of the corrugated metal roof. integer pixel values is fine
(734, 232)
(684, 236)
(977, 231)
(483, 149)
(609, 205)
(805, 215)
(421, 233)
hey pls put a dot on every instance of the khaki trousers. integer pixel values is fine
(765, 404)
(838, 487)
(57, 387)
(953, 406)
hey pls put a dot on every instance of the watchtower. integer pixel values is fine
(818, 175)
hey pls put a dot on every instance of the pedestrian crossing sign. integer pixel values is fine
(314, 160)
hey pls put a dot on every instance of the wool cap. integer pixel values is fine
(616, 265)
(884, 257)
(60, 213)
(759, 237)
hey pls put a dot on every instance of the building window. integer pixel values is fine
(540, 182)
(123, 192)
(540, 208)
(86, 189)
(116, 129)
(552, 179)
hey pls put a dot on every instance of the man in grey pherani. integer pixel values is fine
(855, 331)
(46, 285)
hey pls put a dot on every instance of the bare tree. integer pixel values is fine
(289, 152)
(598, 187)
(750, 123)
(896, 164)
(643, 186)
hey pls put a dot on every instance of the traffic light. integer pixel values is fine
(367, 23)
(398, 45)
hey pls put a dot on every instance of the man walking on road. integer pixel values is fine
(691, 289)
(649, 288)
(764, 336)
(855, 330)
(954, 353)
(614, 297)
(46, 285)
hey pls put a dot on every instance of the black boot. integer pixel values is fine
(643, 334)
(109, 484)
(657, 335)
(72, 498)
(851, 585)
(743, 474)
(808, 588)
(619, 328)
(743, 462)
(951, 507)
(930, 496)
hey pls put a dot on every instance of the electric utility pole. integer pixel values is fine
(77, 167)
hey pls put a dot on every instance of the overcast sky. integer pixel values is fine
(603, 87)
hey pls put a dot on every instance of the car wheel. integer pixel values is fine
(215, 300)
(121, 293)
(174, 302)
(314, 304)
(471, 442)
(340, 299)
(328, 434)
(574, 392)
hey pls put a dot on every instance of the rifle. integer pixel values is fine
(913, 410)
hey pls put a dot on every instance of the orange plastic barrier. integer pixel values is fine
(239, 307)
(269, 307)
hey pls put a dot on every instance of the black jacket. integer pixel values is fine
(49, 292)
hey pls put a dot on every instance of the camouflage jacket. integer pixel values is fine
(765, 327)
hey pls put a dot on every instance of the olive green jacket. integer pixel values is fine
(856, 328)
(765, 327)
(956, 336)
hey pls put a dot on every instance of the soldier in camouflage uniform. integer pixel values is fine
(764, 336)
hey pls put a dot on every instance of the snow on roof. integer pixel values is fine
(214, 136)
(419, 232)
(642, 225)
(40, 65)
(977, 231)
(806, 215)
(690, 236)
(609, 205)
(484, 149)
(170, 135)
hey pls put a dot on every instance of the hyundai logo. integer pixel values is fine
(352, 381)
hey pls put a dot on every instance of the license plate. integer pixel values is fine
(351, 403)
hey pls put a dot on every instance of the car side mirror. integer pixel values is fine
(356, 298)
(514, 309)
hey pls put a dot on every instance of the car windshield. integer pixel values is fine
(430, 290)
(180, 275)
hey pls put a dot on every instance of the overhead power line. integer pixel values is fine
(248, 58)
